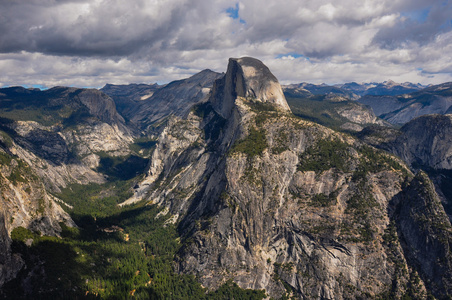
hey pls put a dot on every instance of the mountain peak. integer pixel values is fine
(249, 78)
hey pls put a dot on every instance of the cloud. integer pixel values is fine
(92, 42)
(419, 24)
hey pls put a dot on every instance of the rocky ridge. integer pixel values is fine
(403, 108)
(277, 203)
(24, 202)
(66, 147)
(176, 98)
(41, 153)
(332, 110)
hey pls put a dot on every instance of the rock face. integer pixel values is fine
(426, 141)
(63, 146)
(127, 97)
(358, 116)
(9, 264)
(247, 78)
(427, 233)
(176, 98)
(24, 202)
(277, 203)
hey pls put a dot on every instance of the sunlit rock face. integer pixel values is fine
(248, 78)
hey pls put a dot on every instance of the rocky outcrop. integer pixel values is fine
(10, 264)
(249, 78)
(274, 202)
(24, 202)
(358, 117)
(427, 234)
(426, 141)
(64, 146)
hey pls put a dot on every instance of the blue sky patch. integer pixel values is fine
(233, 12)
(293, 54)
(418, 15)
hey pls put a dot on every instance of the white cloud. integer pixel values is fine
(90, 43)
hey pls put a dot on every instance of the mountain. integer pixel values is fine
(332, 110)
(354, 91)
(175, 98)
(126, 97)
(426, 141)
(223, 192)
(393, 102)
(63, 132)
(320, 89)
(403, 108)
(277, 203)
(386, 88)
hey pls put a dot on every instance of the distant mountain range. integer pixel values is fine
(393, 102)
(355, 90)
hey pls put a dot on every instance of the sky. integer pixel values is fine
(88, 43)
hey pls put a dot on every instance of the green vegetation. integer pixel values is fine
(95, 200)
(121, 168)
(281, 142)
(324, 155)
(45, 107)
(5, 139)
(230, 290)
(263, 110)
(317, 109)
(115, 253)
(20, 171)
(259, 106)
(254, 144)
(5, 159)
(373, 161)
(143, 146)
(322, 200)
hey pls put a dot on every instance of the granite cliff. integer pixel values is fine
(277, 203)
(49, 140)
